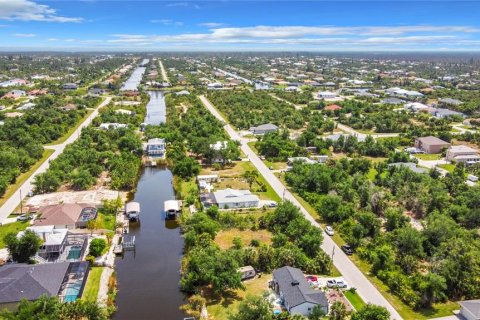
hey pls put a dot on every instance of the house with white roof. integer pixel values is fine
(326, 95)
(156, 148)
(462, 154)
(233, 198)
(54, 240)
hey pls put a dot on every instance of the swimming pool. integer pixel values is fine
(72, 291)
(74, 253)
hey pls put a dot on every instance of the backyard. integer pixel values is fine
(90, 292)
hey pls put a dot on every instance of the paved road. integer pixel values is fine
(349, 270)
(352, 131)
(164, 73)
(13, 202)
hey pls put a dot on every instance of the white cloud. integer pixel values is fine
(167, 22)
(183, 4)
(27, 10)
(211, 24)
(24, 35)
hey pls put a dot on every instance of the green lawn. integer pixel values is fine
(90, 293)
(24, 176)
(12, 227)
(106, 221)
(449, 167)
(354, 299)
(427, 156)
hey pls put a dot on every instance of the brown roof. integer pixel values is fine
(60, 214)
(430, 140)
(333, 107)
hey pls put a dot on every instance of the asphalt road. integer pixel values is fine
(164, 73)
(354, 277)
(14, 201)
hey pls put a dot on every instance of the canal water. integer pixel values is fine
(133, 82)
(148, 278)
(156, 109)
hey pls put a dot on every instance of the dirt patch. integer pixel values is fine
(225, 237)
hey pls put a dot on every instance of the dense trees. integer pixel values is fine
(24, 248)
(245, 109)
(423, 265)
(96, 151)
(51, 308)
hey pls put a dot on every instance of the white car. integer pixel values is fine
(329, 230)
(336, 283)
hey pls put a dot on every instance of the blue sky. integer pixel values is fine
(136, 25)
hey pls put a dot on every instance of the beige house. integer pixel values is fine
(431, 144)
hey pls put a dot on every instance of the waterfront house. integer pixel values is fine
(25, 281)
(295, 293)
(233, 198)
(263, 129)
(156, 148)
(53, 240)
(431, 144)
(62, 216)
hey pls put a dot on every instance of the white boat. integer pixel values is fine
(132, 210)
(172, 208)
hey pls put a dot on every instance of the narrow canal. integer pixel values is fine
(148, 279)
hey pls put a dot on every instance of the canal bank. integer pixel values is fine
(148, 277)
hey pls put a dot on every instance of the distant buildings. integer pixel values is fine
(263, 129)
(332, 107)
(112, 126)
(326, 95)
(156, 148)
(70, 86)
(431, 144)
(462, 154)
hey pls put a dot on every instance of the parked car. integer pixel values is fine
(347, 249)
(24, 217)
(336, 283)
(329, 230)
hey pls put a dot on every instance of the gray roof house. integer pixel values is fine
(450, 101)
(394, 101)
(232, 198)
(263, 128)
(410, 165)
(295, 293)
(470, 309)
(24, 281)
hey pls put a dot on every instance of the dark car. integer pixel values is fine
(347, 249)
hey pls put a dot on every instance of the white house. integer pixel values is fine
(156, 148)
(232, 198)
(112, 126)
(295, 293)
(53, 240)
(326, 95)
(463, 154)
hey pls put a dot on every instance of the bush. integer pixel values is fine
(97, 246)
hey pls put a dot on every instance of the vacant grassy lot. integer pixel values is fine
(106, 221)
(449, 167)
(225, 237)
(220, 308)
(12, 227)
(90, 293)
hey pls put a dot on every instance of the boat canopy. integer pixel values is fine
(132, 207)
(172, 206)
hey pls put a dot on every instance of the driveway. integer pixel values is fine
(12, 203)
(366, 290)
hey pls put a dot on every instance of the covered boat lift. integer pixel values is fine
(172, 208)
(132, 210)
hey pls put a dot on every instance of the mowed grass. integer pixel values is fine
(428, 157)
(354, 299)
(14, 227)
(90, 293)
(24, 176)
(224, 238)
(220, 307)
(106, 221)
(449, 167)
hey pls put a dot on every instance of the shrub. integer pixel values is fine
(97, 246)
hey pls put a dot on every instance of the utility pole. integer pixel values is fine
(21, 202)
